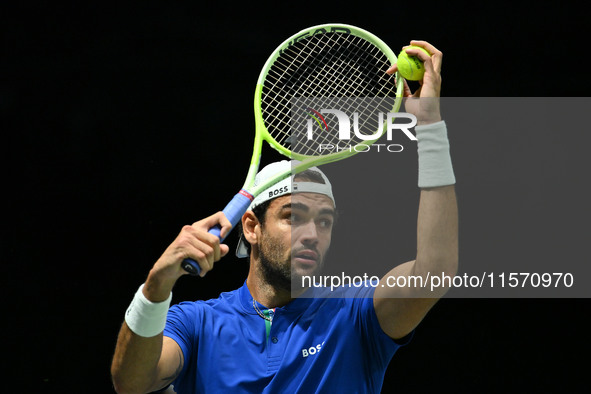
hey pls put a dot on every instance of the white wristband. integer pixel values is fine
(146, 318)
(435, 168)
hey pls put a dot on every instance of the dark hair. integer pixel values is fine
(260, 211)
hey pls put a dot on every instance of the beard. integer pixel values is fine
(276, 273)
(277, 268)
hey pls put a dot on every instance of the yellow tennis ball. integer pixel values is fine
(411, 67)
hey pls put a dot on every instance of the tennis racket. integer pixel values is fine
(335, 66)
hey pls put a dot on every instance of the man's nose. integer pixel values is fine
(309, 233)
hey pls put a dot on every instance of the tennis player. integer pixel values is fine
(261, 338)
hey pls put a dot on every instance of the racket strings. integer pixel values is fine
(332, 66)
(314, 85)
(333, 63)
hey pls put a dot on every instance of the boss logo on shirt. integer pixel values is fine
(312, 350)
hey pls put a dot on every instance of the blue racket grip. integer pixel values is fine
(233, 212)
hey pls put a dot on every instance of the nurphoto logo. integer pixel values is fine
(347, 130)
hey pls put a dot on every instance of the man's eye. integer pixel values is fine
(325, 223)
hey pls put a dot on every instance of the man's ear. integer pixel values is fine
(249, 225)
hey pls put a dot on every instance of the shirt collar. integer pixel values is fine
(296, 305)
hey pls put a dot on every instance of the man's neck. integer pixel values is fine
(268, 294)
(265, 293)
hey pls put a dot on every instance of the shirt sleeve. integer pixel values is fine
(377, 341)
(181, 327)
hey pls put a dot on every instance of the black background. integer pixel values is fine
(126, 121)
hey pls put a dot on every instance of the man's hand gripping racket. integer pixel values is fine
(336, 63)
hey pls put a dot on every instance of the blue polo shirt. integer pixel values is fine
(313, 345)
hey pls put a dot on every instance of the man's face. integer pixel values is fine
(295, 237)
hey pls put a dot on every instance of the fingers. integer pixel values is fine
(193, 242)
(217, 218)
(200, 246)
(425, 45)
(407, 92)
(197, 243)
(433, 61)
(430, 84)
(205, 247)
